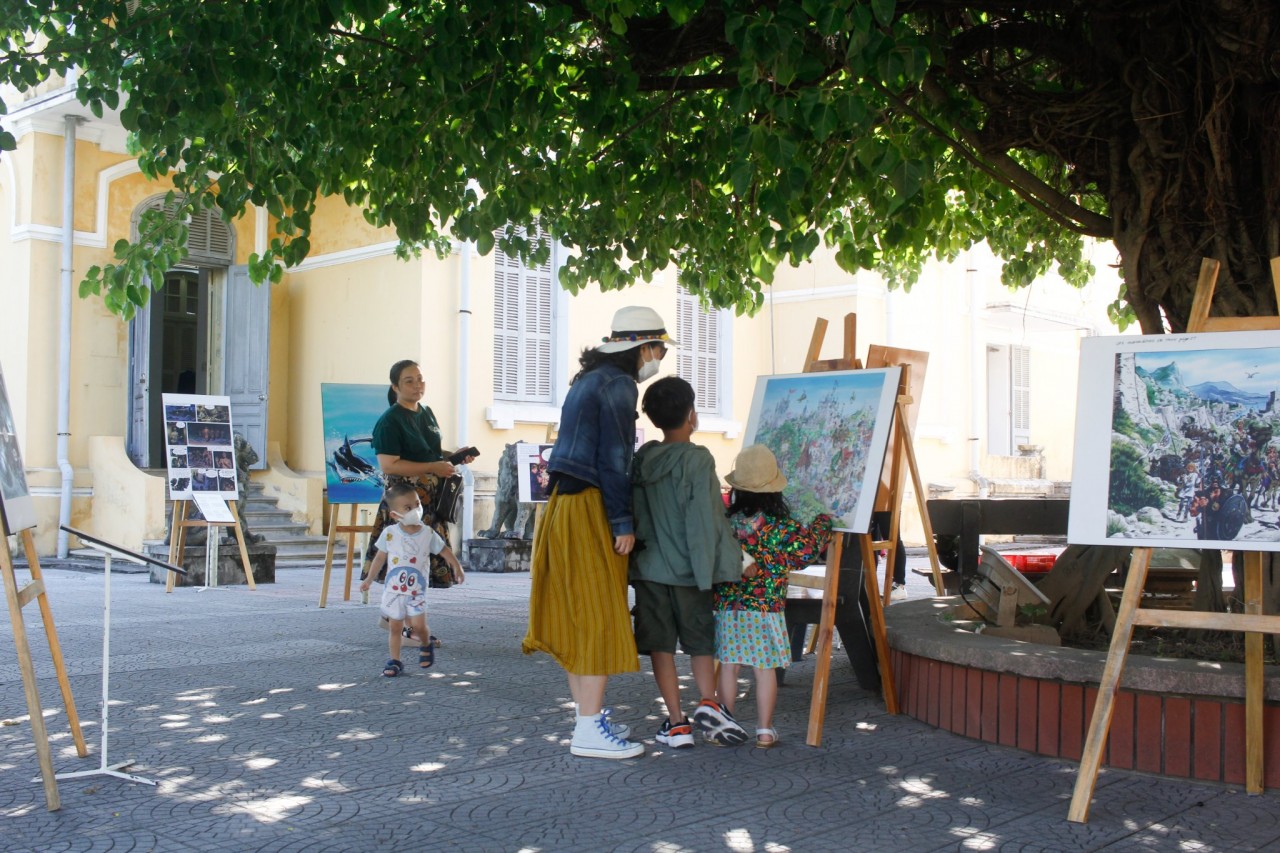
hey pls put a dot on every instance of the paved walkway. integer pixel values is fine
(268, 727)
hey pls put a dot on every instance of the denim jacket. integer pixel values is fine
(598, 437)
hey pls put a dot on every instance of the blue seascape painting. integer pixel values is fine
(350, 465)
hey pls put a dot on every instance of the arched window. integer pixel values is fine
(210, 241)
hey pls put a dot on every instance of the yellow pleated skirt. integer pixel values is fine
(578, 609)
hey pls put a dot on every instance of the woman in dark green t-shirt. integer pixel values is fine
(407, 441)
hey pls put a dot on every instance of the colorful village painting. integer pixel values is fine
(829, 432)
(1193, 456)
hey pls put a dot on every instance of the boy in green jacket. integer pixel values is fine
(684, 546)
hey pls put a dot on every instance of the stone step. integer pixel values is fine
(278, 526)
(266, 516)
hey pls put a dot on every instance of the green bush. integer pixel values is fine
(1131, 489)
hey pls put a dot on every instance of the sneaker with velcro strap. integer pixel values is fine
(678, 736)
(718, 725)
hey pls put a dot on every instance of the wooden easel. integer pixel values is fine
(178, 539)
(350, 530)
(1252, 623)
(829, 583)
(17, 599)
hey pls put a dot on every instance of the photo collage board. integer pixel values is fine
(199, 446)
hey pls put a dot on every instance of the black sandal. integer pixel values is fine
(392, 669)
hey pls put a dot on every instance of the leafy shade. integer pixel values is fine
(729, 136)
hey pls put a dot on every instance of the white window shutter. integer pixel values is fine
(1020, 380)
(698, 359)
(522, 329)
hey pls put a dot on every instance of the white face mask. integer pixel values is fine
(648, 369)
(413, 517)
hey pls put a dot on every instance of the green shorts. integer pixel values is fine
(665, 614)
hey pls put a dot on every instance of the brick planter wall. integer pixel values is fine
(991, 690)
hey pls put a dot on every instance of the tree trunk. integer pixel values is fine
(1195, 165)
(1073, 584)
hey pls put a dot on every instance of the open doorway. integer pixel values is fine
(169, 354)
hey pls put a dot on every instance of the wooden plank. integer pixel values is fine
(1240, 622)
(44, 755)
(826, 628)
(930, 544)
(1241, 324)
(1205, 284)
(351, 550)
(896, 476)
(328, 555)
(815, 343)
(244, 550)
(30, 591)
(878, 633)
(177, 541)
(55, 647)
(1099, 725)
(1253, 682)
(850, 338)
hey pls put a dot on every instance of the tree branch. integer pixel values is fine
(1005, 169)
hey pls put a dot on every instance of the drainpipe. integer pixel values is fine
(64, 329)
(464, 389)
(977, 361)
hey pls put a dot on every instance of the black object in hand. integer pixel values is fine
(456, 459)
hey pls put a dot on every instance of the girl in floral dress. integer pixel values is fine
(751, 629)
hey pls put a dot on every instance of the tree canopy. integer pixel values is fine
(725, 136)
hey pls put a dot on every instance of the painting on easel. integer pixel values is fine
(15, 498)
(352, 475)
(531, 468)
(1178, 441)
(199, 445)
(829, 432)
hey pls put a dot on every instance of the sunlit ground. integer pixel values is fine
(267, 725)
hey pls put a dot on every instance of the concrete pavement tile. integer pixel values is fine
(284, 737)
(1227, 820)
(1125, 805)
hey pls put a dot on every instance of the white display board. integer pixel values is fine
(199, 445)
(531, 471)
(1178, 442)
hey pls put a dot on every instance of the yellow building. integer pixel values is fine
(497, 342)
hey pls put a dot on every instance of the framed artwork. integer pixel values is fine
(829, 432)
(15, 498)
(351, 470)
(199, 446)
(531, 468)
(1178, 442)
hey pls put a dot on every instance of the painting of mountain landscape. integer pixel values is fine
(1195, 446)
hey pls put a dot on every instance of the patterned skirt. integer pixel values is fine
(439, 575)
(578, 610)
(752, 638)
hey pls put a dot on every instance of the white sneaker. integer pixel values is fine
(899, 592)
(592, 738)
(621, 730)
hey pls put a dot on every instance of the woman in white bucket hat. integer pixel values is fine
(578, 609)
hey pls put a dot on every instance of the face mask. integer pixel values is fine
(648, 370)
(413, 517)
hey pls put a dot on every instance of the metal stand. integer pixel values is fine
(105, 769)
(107, 549)
(211, 563)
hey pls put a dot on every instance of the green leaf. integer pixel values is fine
(883, 10)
